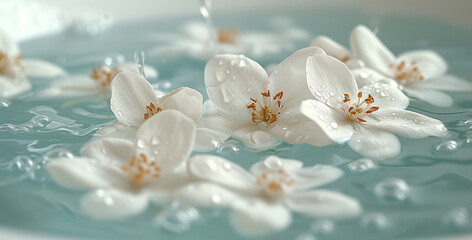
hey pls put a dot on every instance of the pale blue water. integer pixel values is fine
(440, 182)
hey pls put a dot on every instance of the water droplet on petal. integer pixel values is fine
(141, 143)
(120, 113)
(273, 162)
(220, 74)
(333, 125)
(392, 189)
(212, 165)
(216, 198)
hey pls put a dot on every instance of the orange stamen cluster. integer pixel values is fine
(104, 75)
(227, 35)
(151, 110)
(267, 111)
(140, 169)
(358, 110)
(6, 62)
(407, 72)
(273, 182)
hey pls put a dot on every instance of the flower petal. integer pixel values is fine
(315, 176)
(167, 138)
(296, 128)
(386, 96)
(290, 77)
(331, 48)
(205, 194)
(207, 139)
(448, 83)
(365, 76)
(327, 77)
(10, 89)
(409, 124)
(130, 94)
(255, 138)
(186, 100)
(113, 204)
(430, 63)
(231, 80)
(41, 69)
(85, 173)
(334, 124)
(258, 218)
(367, 47)
(132, 67)
(433, 97)
(116, 130)
(221, 171)
(324, 203)
(272, 162)
(110, 149)
(374, 143)
(7, 43)
(72, 86)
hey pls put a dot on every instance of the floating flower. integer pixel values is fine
(263, 198)
(98, 81)
(134, 100)
(197, 42)
(257, 109)
(366, 118)
(420, 74)
(14, 70)
(123, 175)
(338, 51)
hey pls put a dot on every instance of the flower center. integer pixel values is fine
(356, 111)
(267, 111)
(275, 182)
(151, 110)
(141, 170)
(407, 72)
(227, 35)
(104, 74)
(6, 62)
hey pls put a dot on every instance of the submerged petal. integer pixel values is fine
(258, 218)
(448, 83)
(375, 143)
(111, 149)
(430, 63)
(10, 88)
(72, 86)
(113, 204)
(7, 43)
(41, 69)
(324, 203)
(327, 77)
(130, 94)
(315, 176)
(205, 194)
(186, 100)
(232, 80)
(367, 47)
(433, 97)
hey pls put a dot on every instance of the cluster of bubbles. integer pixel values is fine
(452, 145)
(33, 125)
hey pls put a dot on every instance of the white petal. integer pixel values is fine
(430, 63)
(446, 83)
(272, 162)
(72, 86)
(255, 138)
(207, 139)
(167, 138)
(116, 130)
(186, 100)
(42, 69)
(115, 149)
(113, 204)
(324, 203)
(315, 176)
(409, 124)
(327, 77)
(220, 171)
(366, 76)
(296, 128)
(85, 173)
(7, 43)
(433, 97)
(231, 80)
(290, 77)
(375, 143)
(258, 218)
(132, 67)
(355, 64)
(334, 124)
(10, 89)
(367, 47)
(205, 195)
(386, 96)
(331, 47)
(130, 94)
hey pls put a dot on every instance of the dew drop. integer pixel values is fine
(212, 165)
(361, 165)
(220, 63)
(220, 74)
(333, 125)
(383, 94)
(227, 166)
(374, 221)
(216, 198)
(155, 141)
(317, 93)
(273, 162)
(447, 146)
(392, 189)
(243, 63)
(120, 113)
(141, 143)
(364, 75)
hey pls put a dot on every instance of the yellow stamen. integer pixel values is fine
(228, 35)
(140, 169)
(104, 75)
(407, 72)
(358, 110)
(268, 111)
(151, 110)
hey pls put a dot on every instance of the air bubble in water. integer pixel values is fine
(361, 165)
(458, 217)
(322, 226)
(392, 189)
(177, 218)
(374, 221)
(447, 146)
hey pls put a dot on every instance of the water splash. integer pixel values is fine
(139, 60)
(205, 10)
